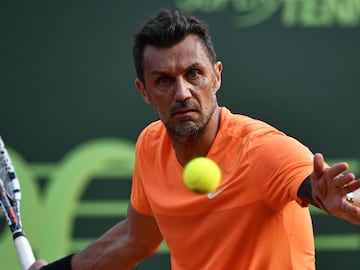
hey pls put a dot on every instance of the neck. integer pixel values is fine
(199, 144)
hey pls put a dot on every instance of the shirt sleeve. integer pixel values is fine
(282, 164)
(138, 195)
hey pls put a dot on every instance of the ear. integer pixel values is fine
(218, 67)
(141, 87)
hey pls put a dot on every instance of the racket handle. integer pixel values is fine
(24, 252)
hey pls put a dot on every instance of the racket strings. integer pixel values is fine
(9, 191)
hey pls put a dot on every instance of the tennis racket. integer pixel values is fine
(10, 196)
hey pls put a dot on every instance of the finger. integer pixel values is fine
(344, 179)
(351, 187)
(319, 187)
(337, 169)
(319, 166)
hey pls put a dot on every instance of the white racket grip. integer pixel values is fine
(24, 251)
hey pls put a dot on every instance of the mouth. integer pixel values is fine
(182, 113)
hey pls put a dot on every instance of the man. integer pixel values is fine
(259, 220)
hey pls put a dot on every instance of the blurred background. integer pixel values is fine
(70, 113)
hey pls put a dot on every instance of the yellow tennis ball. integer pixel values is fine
(202, 175)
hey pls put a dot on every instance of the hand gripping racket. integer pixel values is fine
(10, 196)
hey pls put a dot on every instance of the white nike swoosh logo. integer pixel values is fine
(212, 195)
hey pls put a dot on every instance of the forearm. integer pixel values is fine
(111, 251)
(105, 253)
(122, 247)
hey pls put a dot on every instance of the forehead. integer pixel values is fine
(180, 56)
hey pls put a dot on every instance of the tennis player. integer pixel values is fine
(259, 218)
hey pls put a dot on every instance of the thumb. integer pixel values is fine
(319, 166)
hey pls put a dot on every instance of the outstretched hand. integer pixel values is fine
(330, 185)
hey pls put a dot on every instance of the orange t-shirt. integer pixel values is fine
(255, 222)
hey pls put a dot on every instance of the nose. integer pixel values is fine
(182, 90)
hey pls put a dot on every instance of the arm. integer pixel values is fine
(123, 246)
(327, 188)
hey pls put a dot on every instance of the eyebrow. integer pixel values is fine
(159, 72)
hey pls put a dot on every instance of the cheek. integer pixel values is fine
(216, 85)
(162, 114)
(162, 106)
(208, 99)
(162, 100)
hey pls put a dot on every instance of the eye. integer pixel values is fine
(163, 80)
(193, 74)
(162, 84)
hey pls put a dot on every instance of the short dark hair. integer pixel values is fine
(166, 29)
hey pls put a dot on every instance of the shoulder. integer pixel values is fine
(245, 127)
(153, 130)
(151, 137)
(257, 136)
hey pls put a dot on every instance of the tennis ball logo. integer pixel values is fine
(202, 175)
